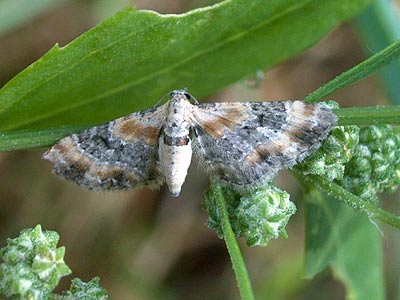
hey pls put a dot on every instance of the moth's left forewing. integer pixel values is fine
(247, 143)
(220, 141)
(295, 136)
(309, 124)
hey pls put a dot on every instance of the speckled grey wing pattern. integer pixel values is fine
(121, 154)
(246, 144)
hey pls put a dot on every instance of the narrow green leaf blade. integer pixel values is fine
(345, 240)
(360, 71)
(132, 59)
(365, 116)
(27, 139)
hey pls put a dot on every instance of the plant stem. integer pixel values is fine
(353, 201)
(372, 115)
(238, 263)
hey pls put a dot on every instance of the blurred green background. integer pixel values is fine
(145, 244)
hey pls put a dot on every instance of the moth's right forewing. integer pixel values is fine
(121, 154)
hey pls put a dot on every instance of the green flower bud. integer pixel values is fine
(257, 216)
(84, 291)
(336, 150)
(31, 265)
(375, 166)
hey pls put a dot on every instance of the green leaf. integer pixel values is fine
(17, 12)
(348, 242)
(129, 61)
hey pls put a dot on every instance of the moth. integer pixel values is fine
(242, 144)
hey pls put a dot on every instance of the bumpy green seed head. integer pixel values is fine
(258, 216)
(31, 265)
(80, 290)
(375, 166)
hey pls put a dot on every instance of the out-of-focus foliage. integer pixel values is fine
(379, 26)
(17, 12)
(348, 242)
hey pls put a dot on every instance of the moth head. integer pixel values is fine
(181, 94)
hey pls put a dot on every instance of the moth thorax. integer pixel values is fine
(175, 157)
(177, 116)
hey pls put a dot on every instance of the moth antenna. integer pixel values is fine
(194, 99)
(162, 99)
(190, 96)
